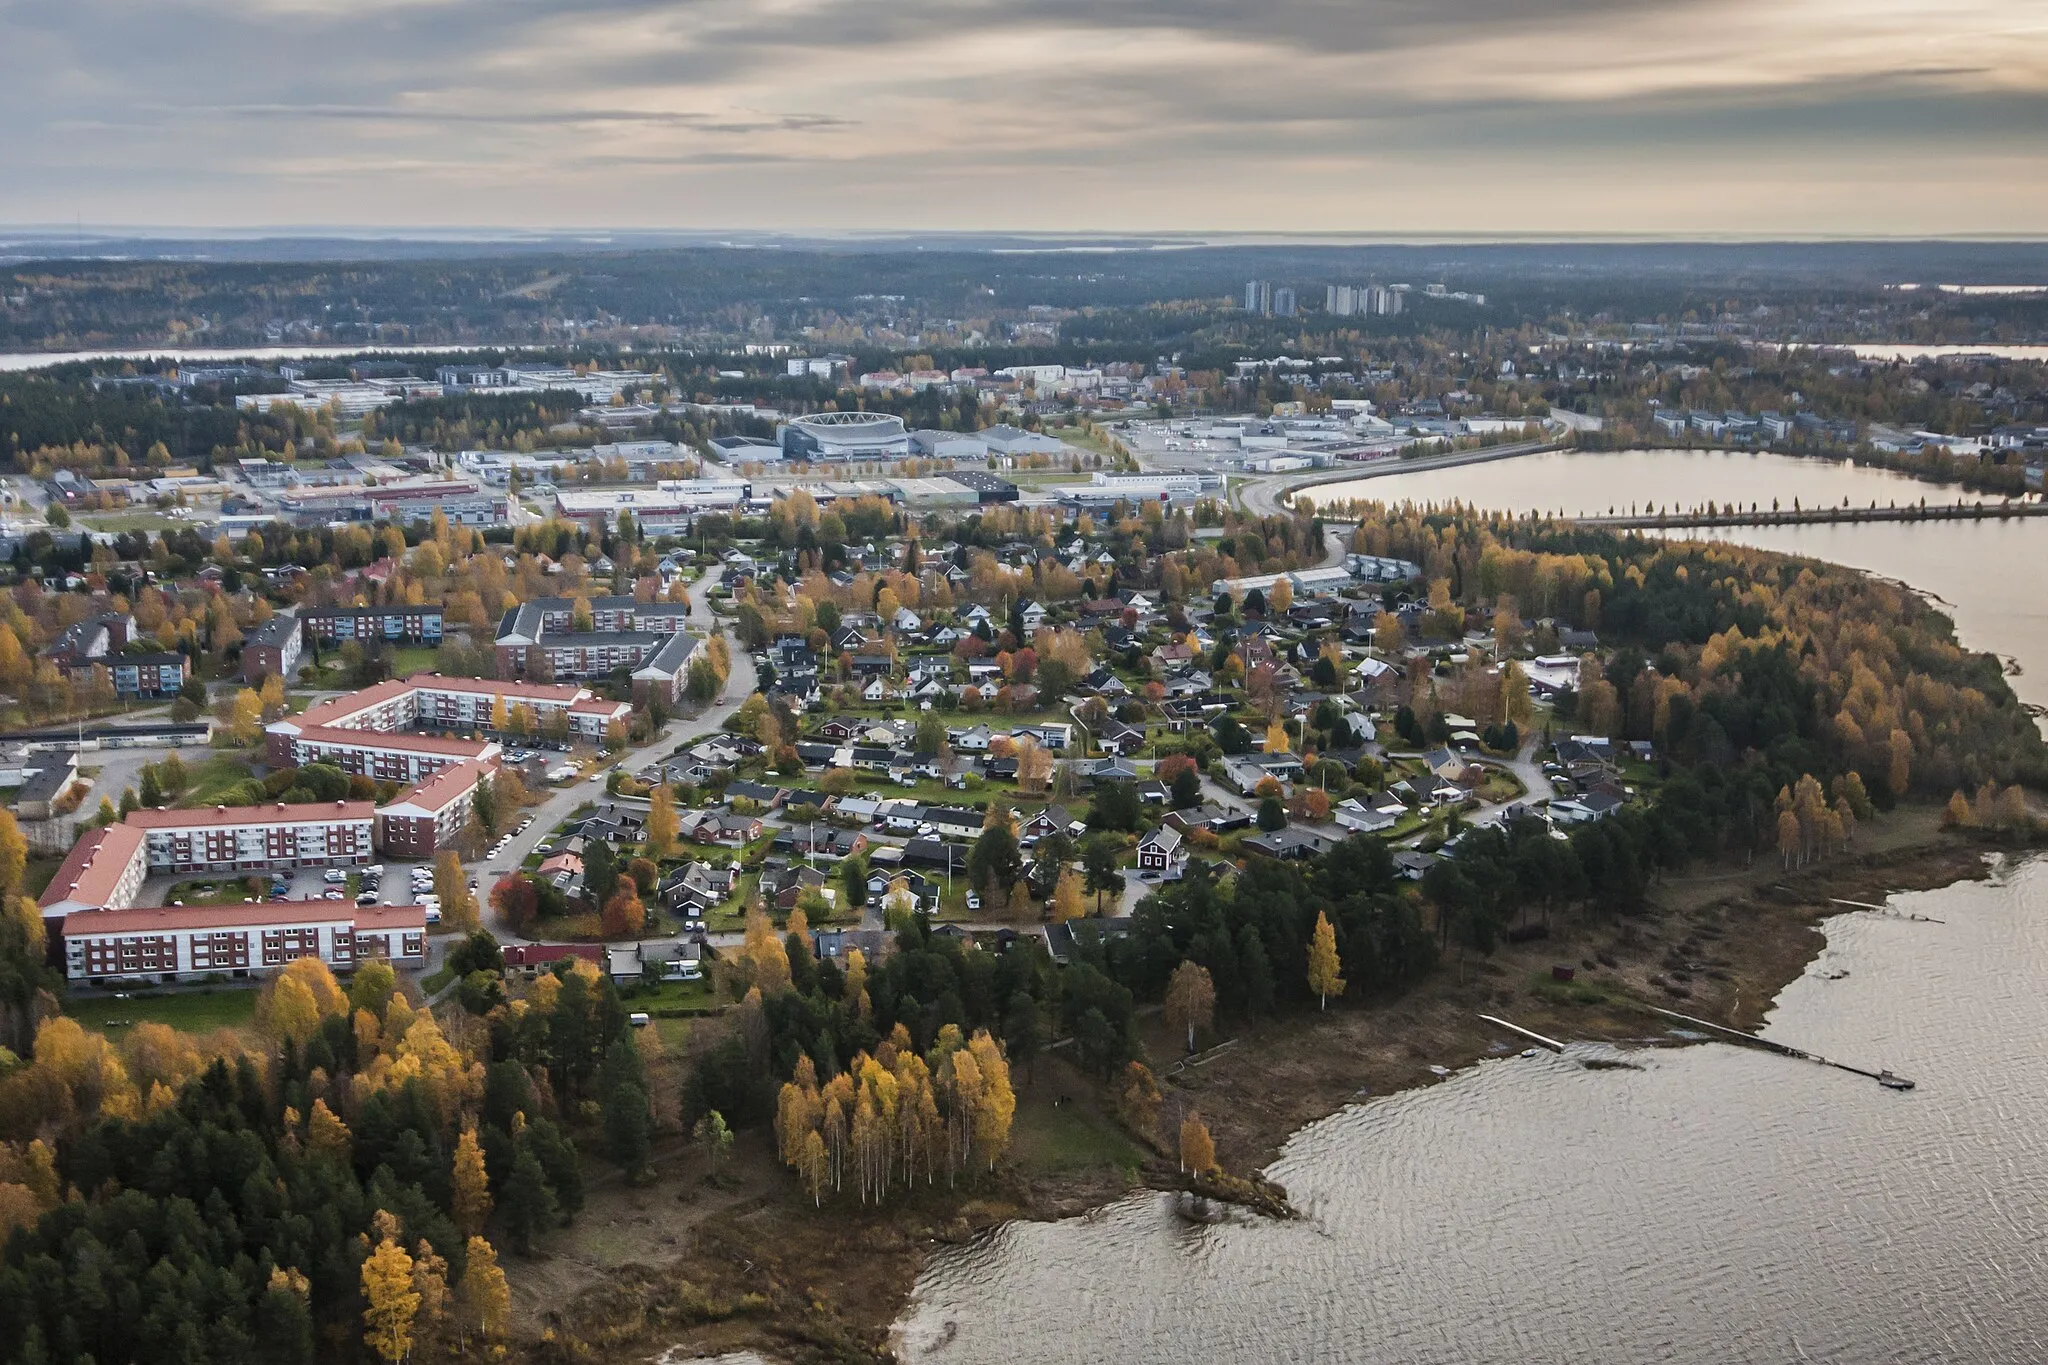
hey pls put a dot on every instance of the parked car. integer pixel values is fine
(974, 900)
(335, 894)
(335, 876)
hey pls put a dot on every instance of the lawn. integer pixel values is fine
(137, 521)
(215, 782)
(186, 1011)
(1047, 1140)
(230, 891)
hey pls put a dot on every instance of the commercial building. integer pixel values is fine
(193, 942)
(394, 624)
(1004, 439)
(252, 838)
(462, 502)
(271, 650)
(670, 507)
(844, 436)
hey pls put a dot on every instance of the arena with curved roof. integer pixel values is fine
(844, 436)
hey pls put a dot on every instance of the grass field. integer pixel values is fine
(214, 781)
(136, 521)
(1049, 1140)
(186, 1011)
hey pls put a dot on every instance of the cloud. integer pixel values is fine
(1137, 114)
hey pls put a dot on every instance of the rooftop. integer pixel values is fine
(279, 813)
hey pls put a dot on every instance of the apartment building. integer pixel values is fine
(421, 821)
(192, 942)
(272, 650)
(649, 640)
(253, 838)
(394, 624)
(104, 870)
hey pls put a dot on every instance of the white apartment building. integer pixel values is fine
(252, 838)
(191, 942)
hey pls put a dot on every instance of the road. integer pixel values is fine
(1262, 496)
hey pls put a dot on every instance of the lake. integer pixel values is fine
(1990, 576)
(201, 355)
(1717, 1205)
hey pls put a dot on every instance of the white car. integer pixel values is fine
(974, 900)
(335, 876)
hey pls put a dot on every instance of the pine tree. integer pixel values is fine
(1323, 964)
(529, 1204)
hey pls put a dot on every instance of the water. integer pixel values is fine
(201, 355)
(1990, 576)
(1719, 1205)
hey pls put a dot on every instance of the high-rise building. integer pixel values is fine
(1283, 302)
(1258, 297)
(1341, 300)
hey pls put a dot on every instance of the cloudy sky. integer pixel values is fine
(1853, 117)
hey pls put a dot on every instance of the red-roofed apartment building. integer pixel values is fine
(367, 731)
(190, 942)
(249, 838)
(420, 821)
(104, 869)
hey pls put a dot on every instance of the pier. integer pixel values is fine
(1883, 1078)
(1704, 519)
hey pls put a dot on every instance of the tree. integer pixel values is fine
(715, 1137)
(393, 1302)
(994, 862)
(245, 720)
(662, 824)
(13, 855)
(1116, 806)
(1187, 789)
(1066, 897)
(1276, 738)
(471, 1202)
(625, 916)
(1190, 1000)
(1137, 1104)
(529, 1204)
(814, 1166)
(1034, 765)
(485, 1299)
(1323, 964)
(628, 1127)
(1099, 854)
(451, 884)
(1272, 815)
(1197, 1150)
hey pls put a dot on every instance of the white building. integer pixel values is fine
(192, 942)
(249, 838)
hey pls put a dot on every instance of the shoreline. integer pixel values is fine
(763, 1272)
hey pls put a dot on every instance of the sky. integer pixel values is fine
(1733, 117)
